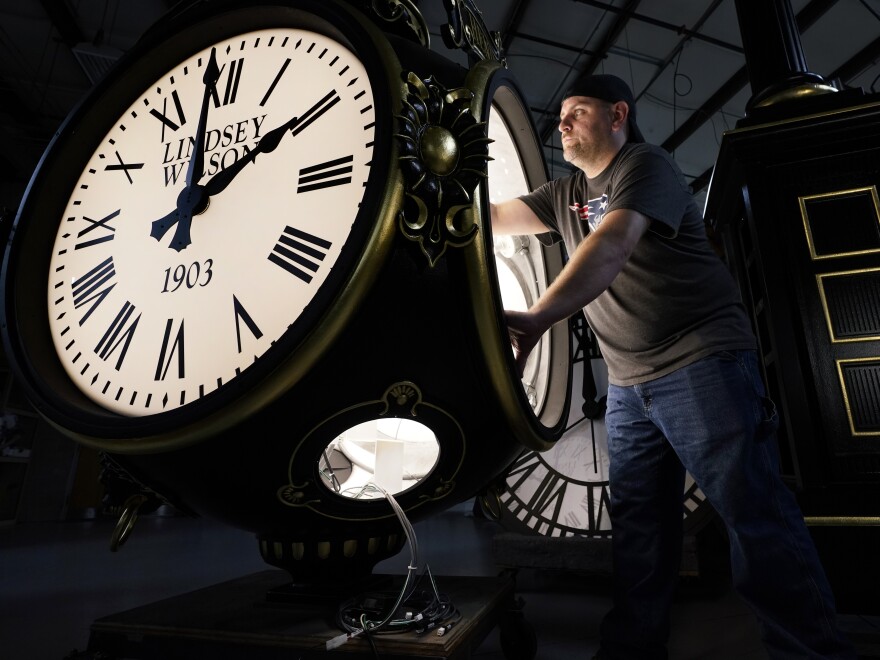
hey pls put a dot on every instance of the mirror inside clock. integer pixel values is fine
(389, 454)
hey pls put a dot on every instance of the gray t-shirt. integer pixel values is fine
(675, 301)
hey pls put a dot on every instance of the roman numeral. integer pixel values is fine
(598, 509)
(233, 77)
(163, 117)
(693, 498)
(550, 493)
(275, 81)
(242, 315)
(169, 348)
(313, 113)
(96, 224)
(325, 175)
(119, 334)
(93, 287)
(297, 248)
(524, 466)
(125, 167)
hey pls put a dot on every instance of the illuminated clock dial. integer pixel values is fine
(209, 217)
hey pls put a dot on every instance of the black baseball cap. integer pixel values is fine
(609, 88)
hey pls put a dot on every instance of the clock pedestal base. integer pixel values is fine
(236, 619)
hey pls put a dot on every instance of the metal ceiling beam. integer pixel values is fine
(678, 29)
(514, 18)
(680, 46)
(64, 22)
(805, 19)
(845, 72)
(713, 104)
(551, 43)
(12, 105)
(858, 62)
(608, 40)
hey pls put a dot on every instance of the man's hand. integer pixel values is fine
(525, 332)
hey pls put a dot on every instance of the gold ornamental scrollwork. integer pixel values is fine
(443, 156)
(401, 17)
(467, 31)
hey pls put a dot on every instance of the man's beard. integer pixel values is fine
(578, 152)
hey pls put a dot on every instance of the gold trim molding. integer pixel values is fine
(820, 283)
(802, 202)
(846, 398)
(842, 521)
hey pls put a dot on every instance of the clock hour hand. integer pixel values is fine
(269, 142)
(191, 201)
(225, 176)
(163, 225)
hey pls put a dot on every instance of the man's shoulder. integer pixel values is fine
(574, 178)
(642, 149)
(642, 155)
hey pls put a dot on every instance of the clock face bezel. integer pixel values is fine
(25, 270)
(538, 429)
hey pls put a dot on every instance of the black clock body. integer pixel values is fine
(406, 323)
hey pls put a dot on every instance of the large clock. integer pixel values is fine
(193, 222)
(253, 269)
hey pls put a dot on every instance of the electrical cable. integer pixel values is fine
(413, 609)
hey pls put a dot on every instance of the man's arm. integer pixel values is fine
(515, 217)
(589, 271)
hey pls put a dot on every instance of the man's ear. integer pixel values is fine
(619, 115)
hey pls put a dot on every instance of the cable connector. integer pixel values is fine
(337, 641)
(442, 630)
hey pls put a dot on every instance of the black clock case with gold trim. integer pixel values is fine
(412, 326)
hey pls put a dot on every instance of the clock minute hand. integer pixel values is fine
(269, 142)
(196, 167)
(191, 196)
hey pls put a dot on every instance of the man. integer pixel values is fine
(684, 390)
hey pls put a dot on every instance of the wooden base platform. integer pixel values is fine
(257, 617)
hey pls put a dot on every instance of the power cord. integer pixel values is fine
(392, 612)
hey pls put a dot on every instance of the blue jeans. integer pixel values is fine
(711, 418)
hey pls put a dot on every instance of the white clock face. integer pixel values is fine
(145, 322)
(565, 491)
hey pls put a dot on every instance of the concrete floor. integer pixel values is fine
(57, 578)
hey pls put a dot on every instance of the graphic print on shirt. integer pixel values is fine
(593, 211)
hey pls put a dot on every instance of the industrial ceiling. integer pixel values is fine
(683, 58)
